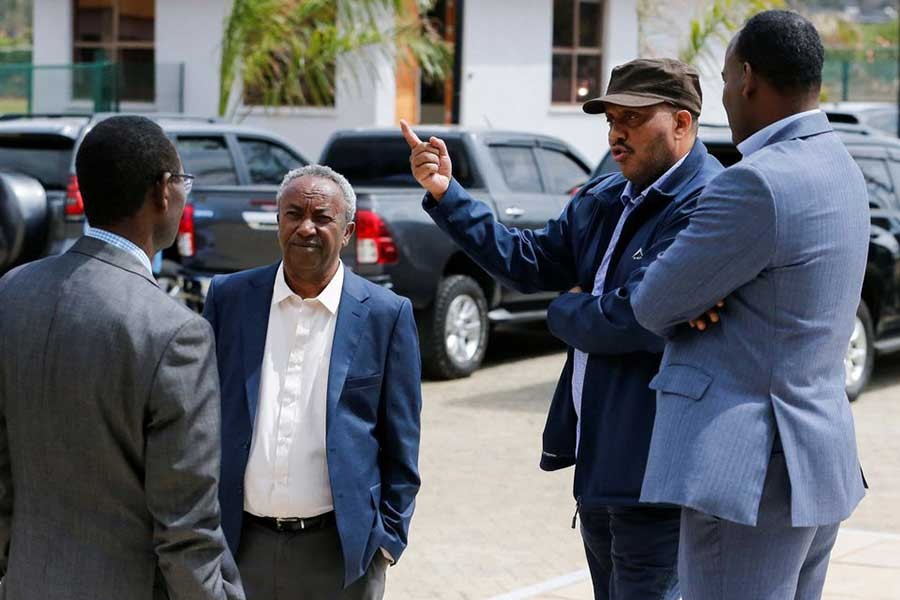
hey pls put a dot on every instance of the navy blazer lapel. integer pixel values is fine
(254, 324)
(351, 318)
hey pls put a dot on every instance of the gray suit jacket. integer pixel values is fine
(109, 436)
(782, 236)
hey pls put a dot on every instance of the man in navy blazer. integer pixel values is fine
(321, 397)
(754, 434)
(602, 413)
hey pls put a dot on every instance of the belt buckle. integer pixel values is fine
(280, 522)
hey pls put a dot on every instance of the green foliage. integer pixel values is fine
(718, 23)
(285, 51)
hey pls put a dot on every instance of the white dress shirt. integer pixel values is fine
(287, 472)
(758, 140)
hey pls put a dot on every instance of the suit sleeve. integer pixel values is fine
(6, 485)
(606, 324)
(399, 425)
(209, 306)
(729, 241)
(523, 259)
(182, 468)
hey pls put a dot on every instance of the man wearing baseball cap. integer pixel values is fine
(602, 413)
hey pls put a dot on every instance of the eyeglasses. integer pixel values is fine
(187, 178)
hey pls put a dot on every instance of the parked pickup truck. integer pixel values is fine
(526, 178)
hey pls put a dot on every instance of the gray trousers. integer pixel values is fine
(722, 560)
(304, 565)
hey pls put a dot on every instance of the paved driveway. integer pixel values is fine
(491, 524)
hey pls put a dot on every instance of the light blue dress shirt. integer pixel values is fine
(121, 243)
(631, 202)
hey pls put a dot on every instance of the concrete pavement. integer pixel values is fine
(489, 524)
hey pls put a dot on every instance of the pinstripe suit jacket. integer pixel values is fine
(783, 237)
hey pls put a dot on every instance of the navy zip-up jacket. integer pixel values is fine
(618, 407)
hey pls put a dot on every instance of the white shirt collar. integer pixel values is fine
(330, 297)
(122, 244)
(628, 193)
(758, 140)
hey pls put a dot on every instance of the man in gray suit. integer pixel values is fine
(109, 400)
(753, 432)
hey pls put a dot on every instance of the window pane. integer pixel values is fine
(136, 22)
(91, 82)
(519, 169)
(562, 78)
(878, 181)
(384, 162)
(562, 171)
(563, 23)
(136, 79)
(590, 23)
(93, 20)
(209, 159)
(588, 78)
(268, 163)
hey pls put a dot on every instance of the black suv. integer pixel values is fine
(877, 328)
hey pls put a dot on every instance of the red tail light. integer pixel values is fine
(74, 203)
(186, 245)
(374, 244)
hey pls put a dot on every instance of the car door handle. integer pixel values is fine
(514, 211)
(260, 220)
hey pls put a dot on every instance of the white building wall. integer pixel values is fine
(52, 39)
(507, 69)
(191, 33)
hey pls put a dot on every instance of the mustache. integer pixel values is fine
(621, 146)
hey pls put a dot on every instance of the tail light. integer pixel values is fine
(374, 244)
(186, 246)
(74, 204)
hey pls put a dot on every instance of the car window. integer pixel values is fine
(47, 158)
(384, 161)
(207, 158)
(563, 172)
(518, 167)
(878, 182)
(266, 161)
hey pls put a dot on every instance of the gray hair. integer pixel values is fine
(326, 173)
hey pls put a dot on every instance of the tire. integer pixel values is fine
(23, 219)
(860, 357)
(454, 331)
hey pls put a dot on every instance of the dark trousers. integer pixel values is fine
(632, 551)
(302, 565)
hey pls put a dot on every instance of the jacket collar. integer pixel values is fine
(804, 127)
(112, 255)
(672, 186)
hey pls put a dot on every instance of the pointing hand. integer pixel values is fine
(430, 162)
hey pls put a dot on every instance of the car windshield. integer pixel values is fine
(384, 162)
(47, 158)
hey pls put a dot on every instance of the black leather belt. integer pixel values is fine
(293, 524)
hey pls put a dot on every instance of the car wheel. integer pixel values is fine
(860, 357)
(454, 330)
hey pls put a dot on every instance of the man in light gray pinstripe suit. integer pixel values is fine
(753, 432)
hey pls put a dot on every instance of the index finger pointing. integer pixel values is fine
(409, 135)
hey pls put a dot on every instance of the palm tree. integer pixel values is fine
(721, 19)
(285, 52)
